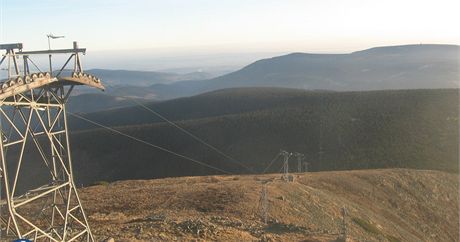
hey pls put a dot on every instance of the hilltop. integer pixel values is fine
(383, 205)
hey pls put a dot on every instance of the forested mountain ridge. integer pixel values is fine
(336, 130)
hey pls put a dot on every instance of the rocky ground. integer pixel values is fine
(381, 205)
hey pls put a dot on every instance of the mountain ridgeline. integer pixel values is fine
(335, 130)
(381, 68)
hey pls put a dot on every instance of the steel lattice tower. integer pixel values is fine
(300, 157)
(33, 118)
(263, 202)
(305, 166)
(286, 156)
(344, 230)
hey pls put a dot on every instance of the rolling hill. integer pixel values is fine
(336, 130)
(211, 104)
(381, 68)
(93, 102)
(391, 67)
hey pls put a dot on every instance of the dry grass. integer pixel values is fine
(395, 204)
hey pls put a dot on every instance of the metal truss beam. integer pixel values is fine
(34, 135)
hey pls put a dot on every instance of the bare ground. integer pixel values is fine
(382, 205)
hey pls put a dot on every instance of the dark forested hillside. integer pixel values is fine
(216, 103)
(93, 102)
(336, 130)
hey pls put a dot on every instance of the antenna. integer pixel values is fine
(51, 36)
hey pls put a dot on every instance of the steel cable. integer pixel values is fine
(148, 143)
(191, 135)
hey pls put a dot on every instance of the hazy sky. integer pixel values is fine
(228, 26)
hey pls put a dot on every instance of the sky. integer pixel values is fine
(207, 27)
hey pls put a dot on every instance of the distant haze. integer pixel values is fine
(391, 67)
(150, 60)
(243, 26)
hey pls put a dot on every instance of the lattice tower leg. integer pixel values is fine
(49, 208)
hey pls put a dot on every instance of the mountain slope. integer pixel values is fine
(94, 102)
(382, 205)
(393, 67)
(343, 130)
(211, 104)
